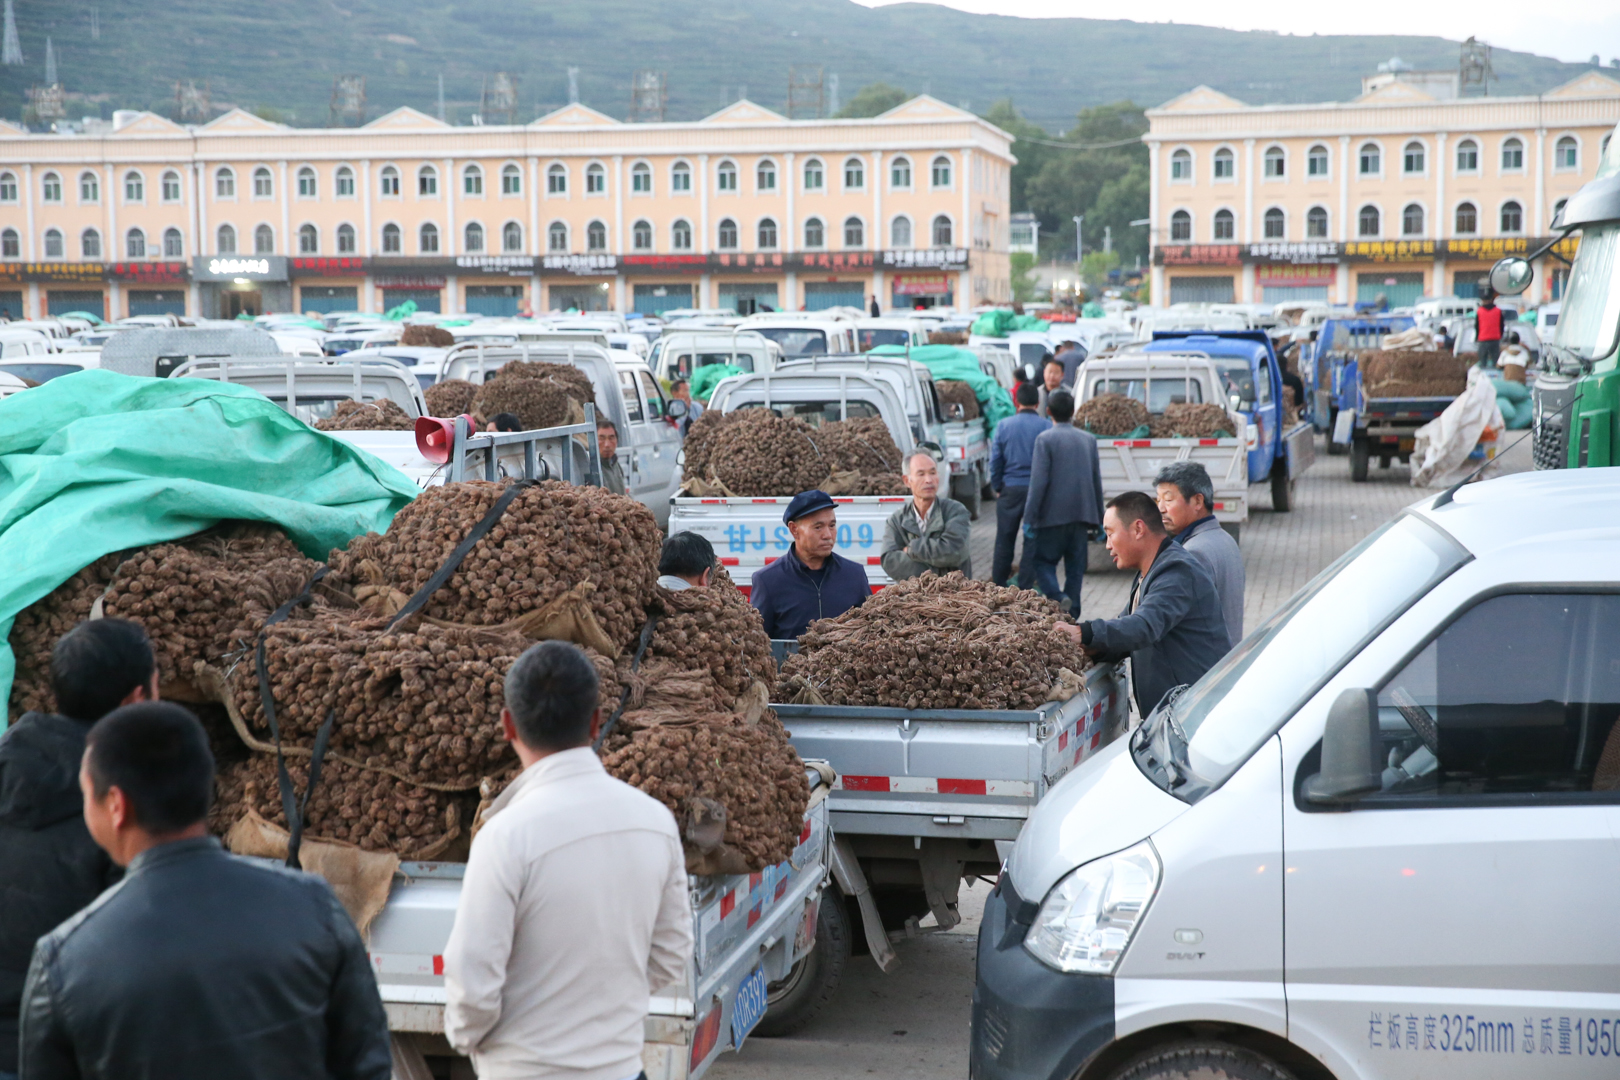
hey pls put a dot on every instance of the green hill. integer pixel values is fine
(282, 56)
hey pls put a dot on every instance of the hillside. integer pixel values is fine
(283, 56)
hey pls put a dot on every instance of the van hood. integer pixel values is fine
(1102, 807)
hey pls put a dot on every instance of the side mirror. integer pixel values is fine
(1511, 276)
(1352, 752)
(674, 409)
(956, 411)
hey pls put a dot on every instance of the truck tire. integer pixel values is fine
(1200, 1061)
(1282, 488)
(965, 490)
(1334, 449)
(800, 998)
(1360, 453)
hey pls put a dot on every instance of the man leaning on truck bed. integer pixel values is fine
(930, 532)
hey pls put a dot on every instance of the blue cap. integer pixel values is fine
(807, 502)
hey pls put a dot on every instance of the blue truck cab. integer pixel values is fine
(1252, 379)
(1328, 365)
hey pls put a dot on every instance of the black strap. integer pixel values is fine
(289, 801)
(295, 835)
(624, 695)
(453, 563)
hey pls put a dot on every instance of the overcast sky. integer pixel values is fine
(1567, 29)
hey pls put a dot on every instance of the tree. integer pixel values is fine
(1023, 280)
(873, 99)
(1031, 155)
(1094, 179)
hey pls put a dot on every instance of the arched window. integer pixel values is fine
(725, 177)
(345, 240)
(472, 181)
(557, 237)
(50, 188)
(343, 181)
(854, 174)
(1181, 227)
(225, 240)
(1181, 166)
(766, 234)
(1413, 159)
(10, 244)
(641, 236)
(135, 244)
(1512, 155)
(1275, 224)
(53, 244)
(225, 184)
(511, 237)
(1467, 219)
(1512, 217)
(680, 235)
(641, 179)
(854, 233)
(1412, 220)
(134, 187)
(171, 187)
(765, 178)
(1566, 154)
(306, 183)
(1371, 160)
(8, 187)
(309, 240)
(263, 184)
(1316, 223)
(813, 178)
(1225, 225)
(390, 182)
(900, 232)
(90, 244)
(1468, 156)
(900, 173)
(473, 238)
(427, 239)
(814, 234)
(427, 182)
(727, 238)
(174, 245)
(596, 236)
(595, 180)
(1316, 161)
(1367, 221)
(511, 180)
(680, 178)
(940, 172)
(264, 240)
(393, 241)
(89, 188)
(942, 231)
(1276, 163)
(557, 180)
(1225, 164)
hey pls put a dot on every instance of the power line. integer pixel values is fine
(1079, 146)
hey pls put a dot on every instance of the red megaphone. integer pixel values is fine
(435, 437)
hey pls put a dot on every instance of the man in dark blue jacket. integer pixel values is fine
(1064, 504)
(810, 581)
(1011, 452)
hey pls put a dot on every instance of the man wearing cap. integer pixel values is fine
(809, 581)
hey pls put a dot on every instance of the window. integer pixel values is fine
(1566, 154)
(1539, 720)
(765, 178)
(390, 182)
(174, 246)
(10, 244)
(596, 236)
(557, 237)
(900, 173)
(1412, 159)
(942, 231)
(427, 182)
(512, 237)
(725, 177)
(557, 180)
(427, 239)
(225, 184)
(1225, 164)
(766, 234)
(680, 178)
(135, 244)
(1512, 217)
(264, 240)
(1276, 162)
(90, 244)
(344, 182)
(1181, 166)
(225, 240)
(1316, 161)
(1372, 160)
(392, 240)
(1275, 224)
(1468, 156)
(306, 183)
(134, 187)
(1512, 155)
(8, 187)
(263, 184)
(1467, 219)
(472, 181)
(309, 240)
(1316, 223)
(1412, 220)
(89, 188)
(1181, 227)
(53, 244)
(854, 233)
(1367, 221)
(473, 237)
(814, 235)
(900, 232)
(812, 175)
(51, 189)
(641, 179)
(854, 175)
(680, 235)
(641, 236)
(939, 173)
(171, 187)
(1225, 225)
(727, 237)
(512, 180)
(345, 240)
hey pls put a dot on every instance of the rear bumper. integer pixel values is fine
(1030, 1022)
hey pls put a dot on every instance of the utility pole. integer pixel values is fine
(441, 97)
(1108, 238)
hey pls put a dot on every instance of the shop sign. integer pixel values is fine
(11, 273)
(581, 265)
(1296, 274)
(515, 265)
(410, 281)
(759, 263)
(149, 273)
(329, 267)
(1489, 249)
(61, 273)
(231, 267)
(664, 264)
(1311, 251)
(921, 285)
(1389, 250)
(1199, 255)
(927, 258)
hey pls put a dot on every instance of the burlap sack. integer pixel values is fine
(361, 879)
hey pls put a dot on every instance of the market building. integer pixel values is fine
(1411, 190)
(744, 209)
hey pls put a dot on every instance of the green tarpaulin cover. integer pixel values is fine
(707, 377)
(96, 462)
(1001, 322)
(954, 362)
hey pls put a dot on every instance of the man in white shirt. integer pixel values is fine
(574, 907)
(687, 562)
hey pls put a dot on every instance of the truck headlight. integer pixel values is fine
(1087, 920)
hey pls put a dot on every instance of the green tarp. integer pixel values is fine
(1001, 322)
(707, 377)
(96, 462)
(962, 365)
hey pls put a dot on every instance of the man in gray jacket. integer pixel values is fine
(1065, 501)
(1186, 498)
(931, 531)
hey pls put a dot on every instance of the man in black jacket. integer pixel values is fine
(49, 866)
(198, 965)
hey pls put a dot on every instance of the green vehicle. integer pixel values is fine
(1577, 396)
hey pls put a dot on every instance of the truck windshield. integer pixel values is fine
(871, 339)
(795, 340)
(1192, 744)
(816, 413)
(39, 372)
(1590, 316)
(1158, 393)
(1238, 381)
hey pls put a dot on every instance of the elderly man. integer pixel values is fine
(687, 562)
(810, 581)
(931, 531)
(1064, 503)
(1187, 500)
(607, 445)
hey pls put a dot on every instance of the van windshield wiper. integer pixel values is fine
(1160, 745)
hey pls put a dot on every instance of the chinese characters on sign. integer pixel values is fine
(1312, 251)
(495, 264)
(1389, 250)
(1199, 255)
(926, 258)
(331, 267)
(581, 265)
(1557, 1036)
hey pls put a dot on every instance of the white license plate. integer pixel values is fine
(747, 1007)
